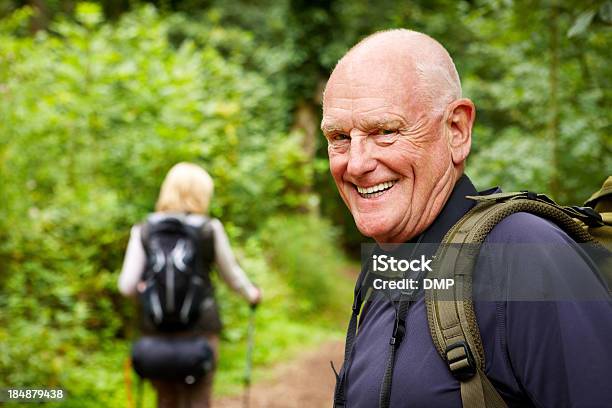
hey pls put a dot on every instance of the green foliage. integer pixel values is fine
(291, 241)
(98, 100)
(92, 115)
(509, 78)
(503, 52)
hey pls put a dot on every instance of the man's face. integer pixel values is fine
(388, 154)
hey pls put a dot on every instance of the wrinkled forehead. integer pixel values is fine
(375, 76)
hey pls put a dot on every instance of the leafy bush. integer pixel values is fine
(92, 115)
(304, 249)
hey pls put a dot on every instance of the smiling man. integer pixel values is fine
(396, 89)
(398, 133)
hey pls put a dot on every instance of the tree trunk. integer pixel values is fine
(40, 19)
(305, 122)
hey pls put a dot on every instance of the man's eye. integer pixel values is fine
(339, 137)
(385, 137)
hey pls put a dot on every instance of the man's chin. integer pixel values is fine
(376, 228)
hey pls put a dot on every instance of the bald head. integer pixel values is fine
(419, 61)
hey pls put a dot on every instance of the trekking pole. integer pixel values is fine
(249, 357)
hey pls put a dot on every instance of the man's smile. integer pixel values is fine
(375, 190)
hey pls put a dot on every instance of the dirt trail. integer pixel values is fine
(306, 382)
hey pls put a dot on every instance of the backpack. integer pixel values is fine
(178, 359)
(601, 202)
(178, 262)
(452, 324)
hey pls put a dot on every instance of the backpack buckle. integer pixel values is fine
(591, 217)
(461, 361)
(530, 195)
(399, 330)
(356, 303)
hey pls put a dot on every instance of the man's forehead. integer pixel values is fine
(366, 88)
(376, 70)
(371, 74)
(355, 90)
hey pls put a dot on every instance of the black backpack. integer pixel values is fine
(178, 261)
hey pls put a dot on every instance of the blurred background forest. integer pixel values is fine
(98, 100)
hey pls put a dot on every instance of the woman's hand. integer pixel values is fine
(141, 287)
(255, 295)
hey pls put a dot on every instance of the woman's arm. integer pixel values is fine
(229, 269)
(133, 264)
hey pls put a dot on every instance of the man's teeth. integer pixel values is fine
(378, 187)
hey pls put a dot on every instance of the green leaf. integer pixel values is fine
(581, 24)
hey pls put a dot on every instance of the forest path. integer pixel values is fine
(304, 382)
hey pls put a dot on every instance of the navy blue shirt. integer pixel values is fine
(538, 354)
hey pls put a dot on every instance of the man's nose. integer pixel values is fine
(360, 156)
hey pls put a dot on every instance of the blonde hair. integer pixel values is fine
(186, 188)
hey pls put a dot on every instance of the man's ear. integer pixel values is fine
(461, 115)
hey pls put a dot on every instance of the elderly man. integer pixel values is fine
(398, 133)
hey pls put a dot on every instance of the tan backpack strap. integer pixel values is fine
(501, 197)
(478, 392)
(452, 322)
(585, 214)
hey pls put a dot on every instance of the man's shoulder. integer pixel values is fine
(523, 227)
(536, 260)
